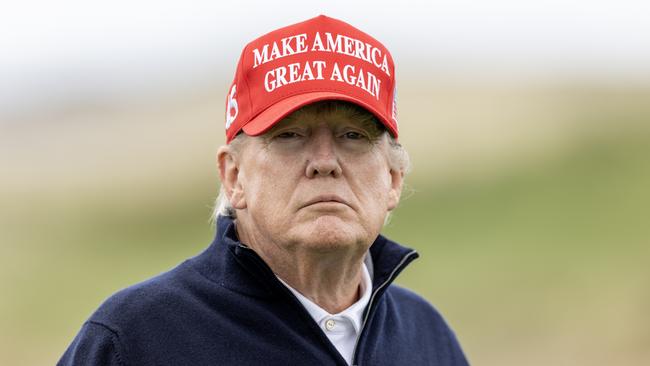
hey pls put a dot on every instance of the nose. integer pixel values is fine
(322, 159)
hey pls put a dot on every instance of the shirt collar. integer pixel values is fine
(354, 313)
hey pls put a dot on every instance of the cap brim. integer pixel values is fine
(275, 113)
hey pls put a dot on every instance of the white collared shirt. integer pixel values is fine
(343, 328)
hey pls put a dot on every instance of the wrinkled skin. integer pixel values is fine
(311, 196)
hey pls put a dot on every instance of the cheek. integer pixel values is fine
(269, 183)
(382, 189)
(373, 183)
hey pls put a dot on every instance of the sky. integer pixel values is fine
(70, 48)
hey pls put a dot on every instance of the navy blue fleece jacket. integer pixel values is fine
(226, 307)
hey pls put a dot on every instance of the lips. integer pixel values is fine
(325, 199)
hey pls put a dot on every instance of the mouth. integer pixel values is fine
(326, 200)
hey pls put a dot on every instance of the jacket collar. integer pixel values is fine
(236, 267)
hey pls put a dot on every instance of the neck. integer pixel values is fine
(331, 279)
(334, 288)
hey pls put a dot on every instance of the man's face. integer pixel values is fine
(320, 180)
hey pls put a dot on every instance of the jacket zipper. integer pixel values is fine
(260, 262)
(390, 279)
(379, 288)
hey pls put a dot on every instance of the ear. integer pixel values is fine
(396, 181)
(229, 175)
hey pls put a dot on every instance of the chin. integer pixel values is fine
(331, 232)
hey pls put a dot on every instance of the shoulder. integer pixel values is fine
(96, 344)
(425, 324)
(413, 308)
(405, 298)
(129, 324)
(153, 298)
(102, 339)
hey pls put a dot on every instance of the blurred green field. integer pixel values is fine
(542, 262)
(546, 264)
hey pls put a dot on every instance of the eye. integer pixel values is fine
(287, 135)
(354, 135)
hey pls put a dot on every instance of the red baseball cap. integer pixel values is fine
(319, 59)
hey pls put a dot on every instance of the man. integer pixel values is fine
(298, 273)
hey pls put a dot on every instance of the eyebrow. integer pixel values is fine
(368, 123)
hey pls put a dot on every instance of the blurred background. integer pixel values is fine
(528, 124)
